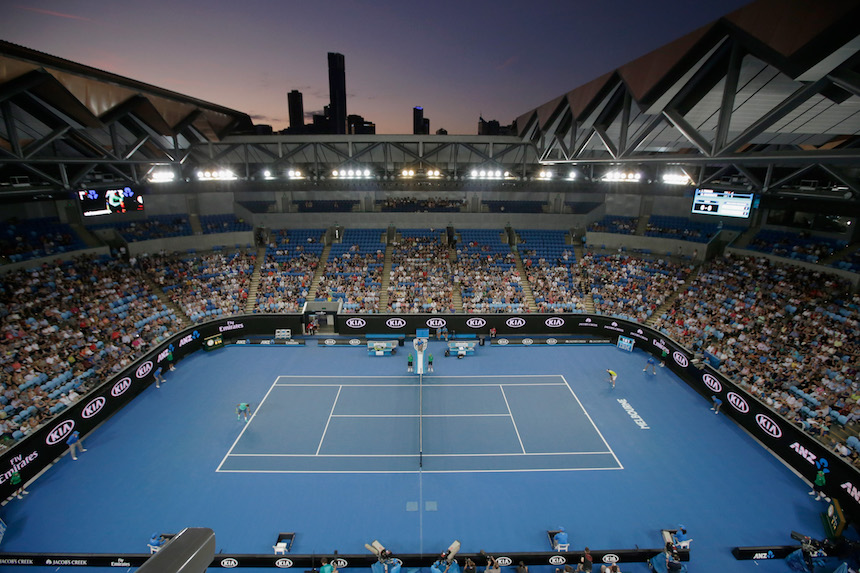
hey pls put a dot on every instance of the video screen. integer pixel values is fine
(95, 202)
(722, 203)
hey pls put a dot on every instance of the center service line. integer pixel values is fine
(329, 419)
(514, 422)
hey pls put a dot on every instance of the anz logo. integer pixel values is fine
(436, 322)
(554, 322)
(93, 407)
(356, 323)
(476, 322)
(144, 369)
(516, 322)
(120, 387)
(395, 323)
(712, 383)
(768, 425)
(680, 359)
(59, 433)
(188, 338)
(738, 403)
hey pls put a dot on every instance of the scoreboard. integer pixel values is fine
(723, 203)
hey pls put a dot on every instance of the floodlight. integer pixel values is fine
(367, 172)
(474, 173)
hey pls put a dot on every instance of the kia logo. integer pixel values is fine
(528, 341)
(340, 562)
(356, 323)
(284, 563)
(395, 323)
(516, 322)
(59, 433)
(436, 322)
(768, 425)
(557, 560)
(680, 359)
(739, 403)
(502, 341)
(712, 383)
(554, 322)
(93, 407)
(354, 342)
(144, 369)
(551, 341)
(504, 561)
(610, 558)
(476, 322)
(229, 563)
(330, 341)
(120, 387)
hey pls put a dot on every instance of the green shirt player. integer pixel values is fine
(243, 409)
(409, 360)
(429, 363)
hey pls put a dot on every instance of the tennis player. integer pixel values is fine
(612, 376)
(243, 409)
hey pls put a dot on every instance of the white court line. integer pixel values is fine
(415, 455)
(511, 414)
(434, 376)
(621, 466)
(413, 385)
(416, 471)
(419, 415)
(329, 419)
(248, 423)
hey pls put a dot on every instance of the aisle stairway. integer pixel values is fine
(386, 278)
(528, 294)
(456, 297)
(315, 283)
(254, 285)
(182, 319)
(667, 304)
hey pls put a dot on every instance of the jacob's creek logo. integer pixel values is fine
(188, 338)
(59, 433)
(65, 562)
(768, 425)
(229, 563)
(143, 369)
(680, 359)
(557, 560)
(476, 322)
(339, 563)
(610, 558)
(93, 407)
(554, 322)
(613, 326)
(504, 561)
(436, 322)
(284, 563)
(356, 322)
(231, 325)
(712, 383)
(764, 555)
(516, 322)
(738, 402)
(120, 387)
(395, 323)
(639, 334)
(587, 322)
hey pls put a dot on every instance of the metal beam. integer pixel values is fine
(756, 182)
(135, 146)
(625, 120)
(606, 141)
(36, 146)
(641, 135)
(727, 104)
(688, 131)
(714, 175)
(781, 110)
(11, 129)
(793, 157)
(847, 80)
(793, 175)
(843, 178)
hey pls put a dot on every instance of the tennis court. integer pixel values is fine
(396, 424)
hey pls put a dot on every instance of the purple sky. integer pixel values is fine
(457, 59)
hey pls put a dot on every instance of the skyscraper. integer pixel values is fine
(337, 92)
(297, 111)
(420, 124)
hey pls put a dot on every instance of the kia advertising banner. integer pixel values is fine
(34, 453)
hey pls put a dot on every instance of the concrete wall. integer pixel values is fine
(53, 258)
(197, 242)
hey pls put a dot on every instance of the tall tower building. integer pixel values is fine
(420, 124)
(337, 92)
(297, 111)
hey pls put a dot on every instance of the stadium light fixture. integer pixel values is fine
(162, 176)
(217, 175)
(545, 175)
(677, 179)
(295, 174)
(622, 176)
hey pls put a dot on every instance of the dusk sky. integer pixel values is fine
(457, 59)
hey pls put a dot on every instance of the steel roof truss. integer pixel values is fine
(688, 131)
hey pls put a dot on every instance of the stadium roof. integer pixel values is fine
(765, 95)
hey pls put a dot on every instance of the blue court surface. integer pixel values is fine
(511, 442)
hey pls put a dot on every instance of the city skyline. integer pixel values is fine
(459, 62)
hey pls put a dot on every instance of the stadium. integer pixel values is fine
(635, 314)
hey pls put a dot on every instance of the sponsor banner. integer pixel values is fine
(269, 342)
(342, 341)
(528, 341)
(767, 552)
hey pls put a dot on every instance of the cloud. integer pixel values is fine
(311, 114)
(52, 13)
(508, 63)
(262, 117)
